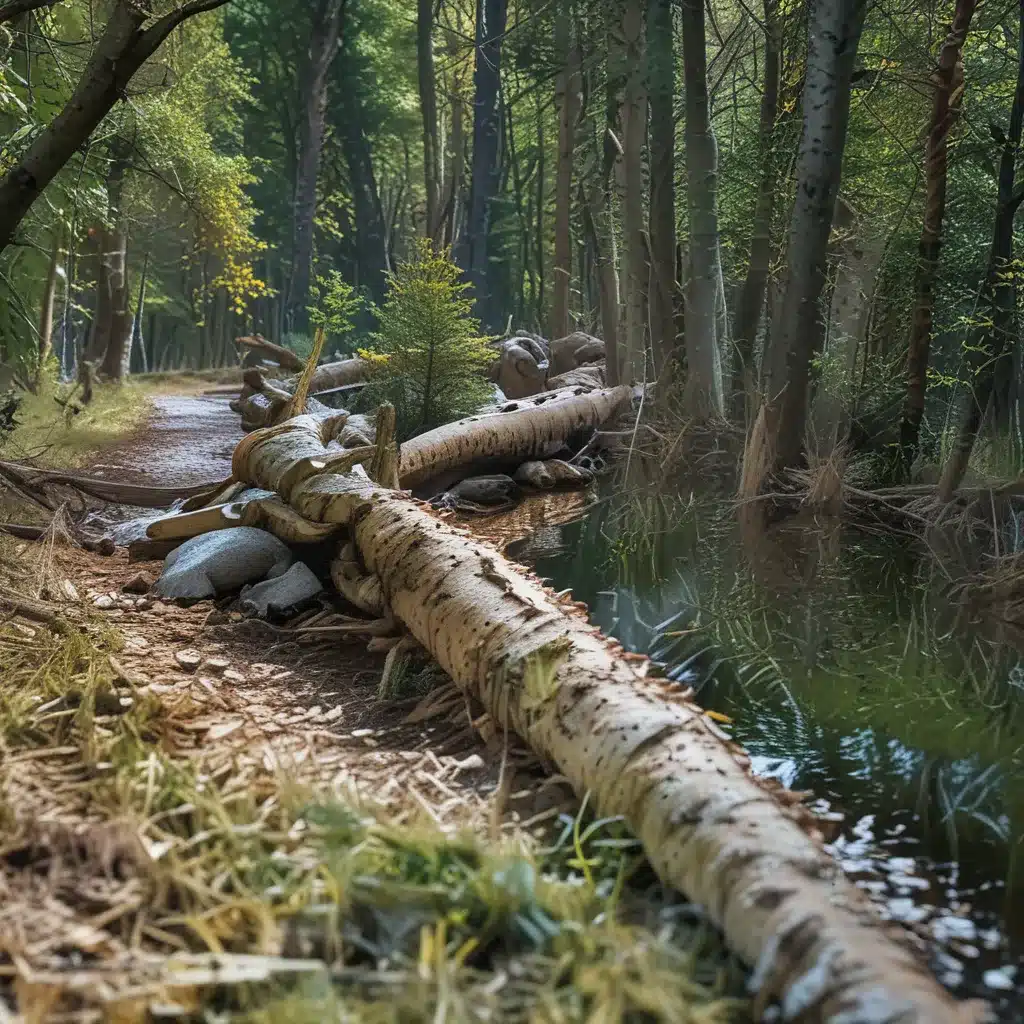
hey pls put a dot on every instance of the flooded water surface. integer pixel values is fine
(844, 670)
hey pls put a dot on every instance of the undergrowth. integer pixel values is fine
(141, 867)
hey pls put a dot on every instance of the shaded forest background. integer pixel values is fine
(797, 218)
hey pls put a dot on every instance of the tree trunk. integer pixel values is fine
(567, 102)
(49, 300)
(750, 307)
(456, 163)
(137, 352)
(857, 261)
(371, 232)
(120, 51)
(428, 108)
(776, 440)
(324, 41)
(992, 344)
(637, 748)
(633, 118)
(703, 392)
(490, 30)
(948, 84)
(662, 215)
(118, 344)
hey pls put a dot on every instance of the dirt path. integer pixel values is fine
(188, 439)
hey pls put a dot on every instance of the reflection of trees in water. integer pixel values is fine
(829, 650)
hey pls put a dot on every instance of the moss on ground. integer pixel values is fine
(61, 438)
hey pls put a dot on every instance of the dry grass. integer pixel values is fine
(159, 852)
(60, 439)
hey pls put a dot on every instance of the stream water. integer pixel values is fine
(844, 671)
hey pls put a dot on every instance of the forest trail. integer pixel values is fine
(187, 439)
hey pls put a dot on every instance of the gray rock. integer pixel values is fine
(222, 561)
(487, 490)
(283, 594)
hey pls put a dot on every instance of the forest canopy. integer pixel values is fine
(639, 170)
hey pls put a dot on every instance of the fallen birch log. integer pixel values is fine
(284, 357)
(532, 429)
(639, 748)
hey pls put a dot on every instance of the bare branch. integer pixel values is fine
(11, 10)
(151, 39)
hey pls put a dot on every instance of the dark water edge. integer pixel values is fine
(846, 671)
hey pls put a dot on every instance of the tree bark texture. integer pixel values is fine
(567, 100)
(124, 46)
(750, 306)
(992, 342)
(948, 86)
(835, 28)
(663, 288)
(703, 396)
(639, 748)
(324, 41)
(490, 29)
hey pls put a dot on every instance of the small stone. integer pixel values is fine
(358, 734)
(473, 763)
(218, 666)
(138, 584)
(69, 592)
(143, 604)
(188, 660)
(233, 676)
(106, 547)
(104, 602)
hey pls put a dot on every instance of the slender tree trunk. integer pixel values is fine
(49, 300)
(776, 441)
(750, 307)
(371, 232)
(455, 164)
(490, 29)
(662, 215)
(633, 117)
(857, 260)
(948, 84)
(428, 108)
(113, 366)
(992, 346)
(138, 343)
(324, 41)
(567, 99)
(703, 392)
(124, 46)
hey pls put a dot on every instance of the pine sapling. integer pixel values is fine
(429, 357)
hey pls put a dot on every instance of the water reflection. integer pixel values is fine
(845, 672)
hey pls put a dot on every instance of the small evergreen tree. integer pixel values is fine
(429, 357)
